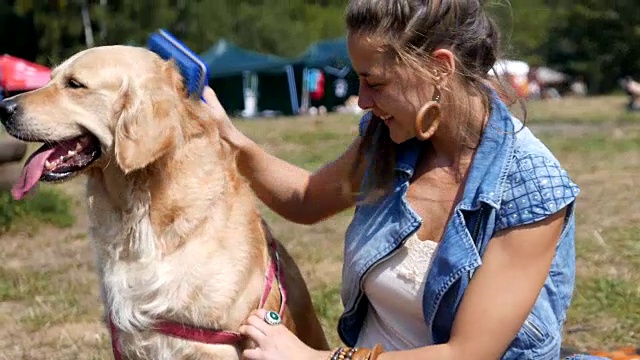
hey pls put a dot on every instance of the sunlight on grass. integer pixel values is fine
(607, 307)
(327, 303)
(49, 297)
(599, 144)
(599, 109)
(47, 206)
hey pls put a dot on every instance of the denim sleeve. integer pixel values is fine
(364, 122)
(536, 188)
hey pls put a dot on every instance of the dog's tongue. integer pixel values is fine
(31, 173)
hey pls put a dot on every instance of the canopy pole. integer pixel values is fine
(293, 95)
(304, 101)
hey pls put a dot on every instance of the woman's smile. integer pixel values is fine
(387, 119)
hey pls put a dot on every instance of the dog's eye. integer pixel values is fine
(75, 84)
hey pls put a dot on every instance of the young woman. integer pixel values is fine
(462, 242)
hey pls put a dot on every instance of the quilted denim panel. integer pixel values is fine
(536, 188)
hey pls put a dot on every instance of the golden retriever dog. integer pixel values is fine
(177, 232)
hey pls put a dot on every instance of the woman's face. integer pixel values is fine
(392, 92)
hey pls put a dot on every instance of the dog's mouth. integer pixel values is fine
(57, 161)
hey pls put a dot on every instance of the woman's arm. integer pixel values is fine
(292, 192)
(295, 193)
(501, 294)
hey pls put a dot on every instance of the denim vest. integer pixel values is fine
(513, 180)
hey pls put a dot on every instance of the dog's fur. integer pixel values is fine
(176, 229)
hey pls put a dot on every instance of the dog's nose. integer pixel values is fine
(8, 107)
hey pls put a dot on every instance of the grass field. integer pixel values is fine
(49, 307)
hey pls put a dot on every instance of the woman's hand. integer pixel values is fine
(227, 130)
(275, 342)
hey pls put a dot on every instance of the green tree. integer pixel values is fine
(525, 26)
(62, 27)
(18, 34)
(594, 38)
(271, 26)
(57, 25)
(597, 39)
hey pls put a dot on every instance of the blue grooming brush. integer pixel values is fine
(194, 71)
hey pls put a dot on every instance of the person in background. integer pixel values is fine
(632, 88)
(462, 241)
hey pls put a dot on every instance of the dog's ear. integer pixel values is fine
(148, 121)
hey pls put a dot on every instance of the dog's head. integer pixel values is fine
(107, 103)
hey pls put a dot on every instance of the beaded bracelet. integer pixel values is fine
(348, 353)
(343, 353)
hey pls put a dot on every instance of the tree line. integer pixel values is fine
(598, 40)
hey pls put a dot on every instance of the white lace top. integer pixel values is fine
(394, 288)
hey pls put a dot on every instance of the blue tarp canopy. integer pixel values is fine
(332, 52)
(226, 59)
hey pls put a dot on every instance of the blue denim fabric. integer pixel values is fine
(513, 180)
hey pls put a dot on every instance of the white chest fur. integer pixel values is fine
(197, 283)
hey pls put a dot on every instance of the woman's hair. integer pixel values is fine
(410, 31)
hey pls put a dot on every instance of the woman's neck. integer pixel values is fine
(458, 136)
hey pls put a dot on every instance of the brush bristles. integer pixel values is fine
(192, 69)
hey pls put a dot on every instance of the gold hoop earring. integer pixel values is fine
(433, 108)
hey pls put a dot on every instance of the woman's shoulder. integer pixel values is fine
(536, 184)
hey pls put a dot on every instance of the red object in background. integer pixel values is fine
(317, 92)
(21, 75)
